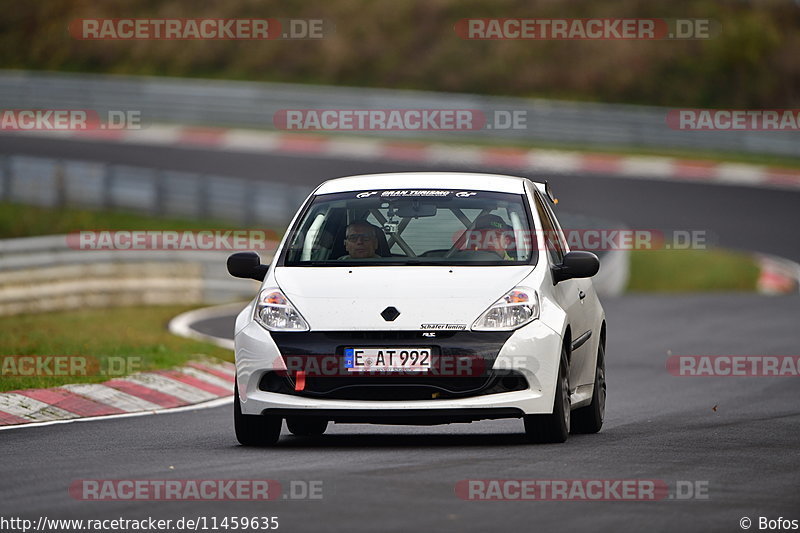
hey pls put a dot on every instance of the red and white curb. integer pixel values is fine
(778, 275)
(518, 159)
(196, 385)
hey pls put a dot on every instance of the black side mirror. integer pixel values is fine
(247, 265)
(576, 265)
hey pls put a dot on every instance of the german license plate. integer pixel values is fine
(387, 359)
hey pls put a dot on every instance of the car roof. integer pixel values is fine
(428, 180)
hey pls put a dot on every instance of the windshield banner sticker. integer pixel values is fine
(416, 192)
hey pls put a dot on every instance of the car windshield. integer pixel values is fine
(412, 227)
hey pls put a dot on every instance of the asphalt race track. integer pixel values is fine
(402, 478)
(737, 437)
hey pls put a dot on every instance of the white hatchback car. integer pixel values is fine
(421, 298)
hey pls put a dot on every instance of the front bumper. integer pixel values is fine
(532, 352)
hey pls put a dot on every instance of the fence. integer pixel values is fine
(253, 105)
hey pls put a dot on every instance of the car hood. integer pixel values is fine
(352, 298)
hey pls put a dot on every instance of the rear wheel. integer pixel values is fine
(254, 430)
(589, 419)
(306, 426)
(553, 427)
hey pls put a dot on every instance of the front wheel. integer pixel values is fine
(254, 430)
(589, 419)
(554, 427)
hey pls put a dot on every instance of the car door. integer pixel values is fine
(571, 294)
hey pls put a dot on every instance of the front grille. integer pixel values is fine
(474, 343)
(396, 388)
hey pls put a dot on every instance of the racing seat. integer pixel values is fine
(383, 244)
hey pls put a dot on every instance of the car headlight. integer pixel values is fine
(516, 308)
(275, 312)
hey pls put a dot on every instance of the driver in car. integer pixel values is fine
(360, 241)
(493, 235)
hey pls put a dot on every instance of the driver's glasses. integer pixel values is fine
(355, 237)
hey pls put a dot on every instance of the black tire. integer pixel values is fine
(306, 426)
(589, 419)
(554, 427)
(254, 430)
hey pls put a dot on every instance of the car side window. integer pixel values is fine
(557, 225)
(550, 237)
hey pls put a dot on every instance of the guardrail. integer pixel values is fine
(253, 105)
(57, 182)
(40, 274)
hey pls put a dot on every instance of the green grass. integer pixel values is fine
(691, 271)
(17, 220)
(137, 334)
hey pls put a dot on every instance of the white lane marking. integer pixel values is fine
(205, 405)
(113, 397)
(154, 135)
(204, 376)
(647, 167)
(739, 174)
(30, 409)
(172, 387)
(360, 149)
(459, 155)
(250, 141)
(554, 161)
(181, 325)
